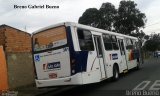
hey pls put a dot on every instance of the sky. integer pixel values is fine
(31, 20)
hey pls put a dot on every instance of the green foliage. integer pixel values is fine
(153, 44)
(140, 34)
(108, 13)
(129, 18)
(90, 17)
(102, 18)
(146, 37)
(126, 19)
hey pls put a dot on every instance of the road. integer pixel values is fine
(147, 78)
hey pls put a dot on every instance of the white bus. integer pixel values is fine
(75, 54)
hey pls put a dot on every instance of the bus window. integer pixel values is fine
(114, 43)
(137, 44)
(51, 38)
(121, 46)
(107, 42)
(129, 44)
(134, 44)
(110, 42)
(85, 40)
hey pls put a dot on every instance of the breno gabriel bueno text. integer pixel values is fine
(142, 93)
(35, 7)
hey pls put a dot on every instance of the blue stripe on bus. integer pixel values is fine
(80, 56)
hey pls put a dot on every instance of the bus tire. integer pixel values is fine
(115, 73)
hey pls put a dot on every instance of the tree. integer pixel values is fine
(108, 13)
(140, 34)
(153, 43)
(90, 17)
(126, 20)
(156, 37)
(146, 37)
(102, 18)
(129, 18)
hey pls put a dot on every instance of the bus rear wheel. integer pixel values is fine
(115, 73)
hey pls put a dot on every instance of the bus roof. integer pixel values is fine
(83, 27)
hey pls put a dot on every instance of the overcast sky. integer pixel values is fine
(69, 10)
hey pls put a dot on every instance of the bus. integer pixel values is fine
(74, 54)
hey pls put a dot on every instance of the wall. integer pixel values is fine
(20, 69)
(17, 41)
(17, 47)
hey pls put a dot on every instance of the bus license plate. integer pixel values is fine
(52, 75)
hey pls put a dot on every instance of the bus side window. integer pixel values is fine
(134, 44)
(114, 43)
(129, 44)
(121, 46)
(137, 44)
(85, 40)
(107, 42)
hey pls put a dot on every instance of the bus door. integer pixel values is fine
(100, 56)
(123, 54)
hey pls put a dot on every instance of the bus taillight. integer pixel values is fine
(73, 64)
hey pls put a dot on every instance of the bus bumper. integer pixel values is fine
(72, 80)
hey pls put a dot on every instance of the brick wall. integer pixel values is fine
(2, 36)
(17, 41)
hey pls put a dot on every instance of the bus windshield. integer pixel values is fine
(51, 38)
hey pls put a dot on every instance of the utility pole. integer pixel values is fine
(140, 45)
